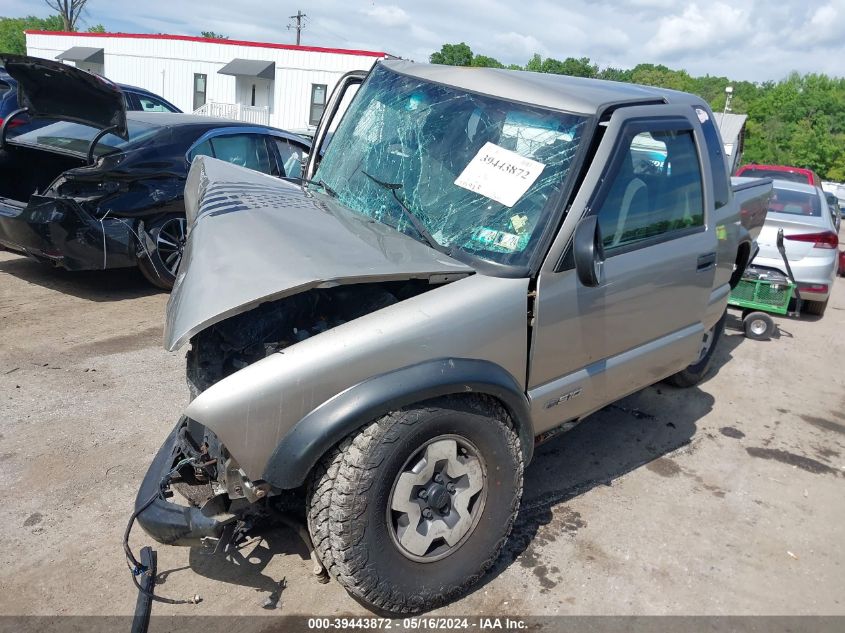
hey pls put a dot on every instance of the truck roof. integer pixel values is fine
(578, 95)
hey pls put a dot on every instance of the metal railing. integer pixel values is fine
(236, 111)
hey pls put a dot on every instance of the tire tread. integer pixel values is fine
(337, 503)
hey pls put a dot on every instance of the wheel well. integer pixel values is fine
(484, 383)
(743, 255)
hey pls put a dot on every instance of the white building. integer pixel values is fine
(732, 129)
(282, 85)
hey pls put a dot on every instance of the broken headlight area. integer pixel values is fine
(239, 341)
(209, 477)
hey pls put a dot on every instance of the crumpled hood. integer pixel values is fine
(255, 238)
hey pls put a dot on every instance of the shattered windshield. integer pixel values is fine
(460, 171)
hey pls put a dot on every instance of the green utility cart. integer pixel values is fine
(764, 291)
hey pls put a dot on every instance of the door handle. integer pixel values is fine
(706, 262)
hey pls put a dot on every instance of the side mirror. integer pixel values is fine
(588, 252)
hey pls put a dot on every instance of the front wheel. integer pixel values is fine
(409, 512)
(695, 373)
(163, 246)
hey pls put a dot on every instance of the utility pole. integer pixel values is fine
(298, 17)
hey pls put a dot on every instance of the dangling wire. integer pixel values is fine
(135, 567)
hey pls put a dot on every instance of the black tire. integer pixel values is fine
(164, 240)
(815, 307)
(696, 372)
(354, 533)
(758, 326)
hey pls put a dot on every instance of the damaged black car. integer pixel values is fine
(102, 188)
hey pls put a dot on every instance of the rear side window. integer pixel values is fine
(4, 88)
(795, 203)
(246, 150)
(718, 163)
(291, 157)
(655, 189)
(150, 104)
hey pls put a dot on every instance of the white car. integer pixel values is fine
(810, 240)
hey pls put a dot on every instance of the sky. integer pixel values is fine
(741, 39)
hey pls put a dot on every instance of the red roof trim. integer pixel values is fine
(190, 38)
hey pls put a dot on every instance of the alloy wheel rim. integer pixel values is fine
(170, 243)
(437, 499)
(758, 326)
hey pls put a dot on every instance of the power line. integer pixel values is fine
(298, 17)
(309, 23)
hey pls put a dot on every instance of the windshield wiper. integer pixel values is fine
(393, 187)
(321, 183)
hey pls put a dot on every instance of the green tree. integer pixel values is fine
(482, 61)
(213, 36)
(97, 28)
(535, 64)
(453, 55)
(12, 38)
(581, 67)
(570, 66)
(614, 74)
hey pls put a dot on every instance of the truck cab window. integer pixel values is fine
(655, 189)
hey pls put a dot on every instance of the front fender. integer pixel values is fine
(333, 420)
(253, 410)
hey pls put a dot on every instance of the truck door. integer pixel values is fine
(641, 319)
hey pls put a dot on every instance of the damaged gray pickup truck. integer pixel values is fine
(478, 260)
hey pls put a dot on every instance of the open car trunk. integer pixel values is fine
(25, 171)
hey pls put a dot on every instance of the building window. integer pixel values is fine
(318, 103)
(199, 90)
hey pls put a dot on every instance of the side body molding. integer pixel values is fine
(326, 425)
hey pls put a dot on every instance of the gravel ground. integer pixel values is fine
(722, 499)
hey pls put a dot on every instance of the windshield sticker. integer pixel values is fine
(519, 223)
(500, 241)
(499, 174)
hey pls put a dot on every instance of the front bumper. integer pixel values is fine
(61, 232)
(165, 521)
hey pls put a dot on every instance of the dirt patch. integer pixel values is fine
(804, 463)
(664, 467)
(824, 425)
(33, 519)
(826, 453)
(150, 337)
(542, 574)
(729, 431)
